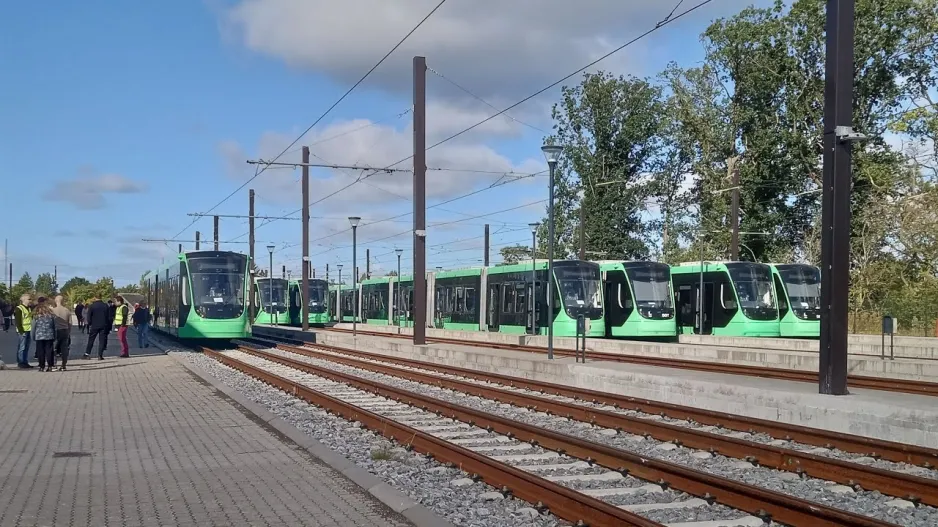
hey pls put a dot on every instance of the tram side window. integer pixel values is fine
(185, 290)
(727, 297)
(470, 300)
(521, 297)
(508, 304)
(460, 306)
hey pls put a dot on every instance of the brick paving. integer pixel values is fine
(142, 442)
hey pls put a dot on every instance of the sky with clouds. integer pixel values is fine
(123, 118)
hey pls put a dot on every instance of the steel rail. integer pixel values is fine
(876, 448)
(563, 502)
(887, 482)
(855, 381)
(755, 500)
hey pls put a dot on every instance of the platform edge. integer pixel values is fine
(418, 514)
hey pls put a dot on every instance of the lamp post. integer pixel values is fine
(551, 153)
(338, 295)
(397, 291)
(270, 283)
(534, 227)
(354, 220)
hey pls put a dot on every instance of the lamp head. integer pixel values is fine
(399, 251)
(339, 267)
(354, 220)
(270, 248)
(552, 153)
(534, 227)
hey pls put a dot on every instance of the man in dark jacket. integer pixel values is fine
(99, 325)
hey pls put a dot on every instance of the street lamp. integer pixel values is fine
(354, 220)
(338, 296)
(270, 284)
(534, 227)
(551, 153)
(397, 283)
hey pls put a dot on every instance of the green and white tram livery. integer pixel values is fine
(201, 295)
(270, 297)
(799, 299)
(639, 299)
(739, 299)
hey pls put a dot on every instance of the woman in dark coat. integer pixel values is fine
(43, 330)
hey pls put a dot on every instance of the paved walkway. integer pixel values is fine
(142, 442)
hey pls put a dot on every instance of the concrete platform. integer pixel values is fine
(143, 442)
(911, 419)
(915, 369)
(860, 345)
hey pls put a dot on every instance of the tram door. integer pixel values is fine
(707, 309)
(494, 305)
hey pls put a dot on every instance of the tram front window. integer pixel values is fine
(803, 285)
(273, 295)
(580, 287)
(753, 283)
(316, 297)
(218, 285)
(651, 283)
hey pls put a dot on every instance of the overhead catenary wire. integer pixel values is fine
(328, 110)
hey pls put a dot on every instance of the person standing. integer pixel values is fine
(142, 325)
(63, 330)
(79, 311)
(23, 322)
(111, 309)
(121, 318)
(43, 330)
(6, 311)
(97, 320)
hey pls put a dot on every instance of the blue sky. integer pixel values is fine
(120, 118)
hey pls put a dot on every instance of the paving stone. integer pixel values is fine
(141, 441)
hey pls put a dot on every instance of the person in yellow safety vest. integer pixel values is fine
(121, 317)
(23, 319)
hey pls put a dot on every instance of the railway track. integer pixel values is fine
(852, 474)
(854, 381)
(598, 483)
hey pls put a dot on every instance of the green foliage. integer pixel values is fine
(45, 285)
(514, 253)
(753, 109)
(22, 287)
(130, 288)
(73, 282)
(5, 295)
(103, 289)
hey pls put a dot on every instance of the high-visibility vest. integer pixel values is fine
(27, 317)
(119, 315)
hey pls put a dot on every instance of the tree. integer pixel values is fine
(5, 295)
(258, 272)
(513, 254)
(130, 288)
(45, 285)
(73, 282)
(23, 286)
(609, 129)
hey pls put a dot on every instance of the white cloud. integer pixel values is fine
(88, 192)
(494, 48)
(379, 145)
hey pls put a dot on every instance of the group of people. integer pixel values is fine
(50, 326)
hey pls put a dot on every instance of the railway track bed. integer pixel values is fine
(643, 497)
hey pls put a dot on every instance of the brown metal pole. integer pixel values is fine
(253, 307)
(305, 282)
(420, 201)
(197, 236)
(367, 263)
(486, 255)
(216, 233)
(835, 214)
(734, 214)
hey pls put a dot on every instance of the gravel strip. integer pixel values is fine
(423, 479)
(870, 503)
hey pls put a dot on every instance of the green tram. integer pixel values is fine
(341, 300)
(271, 299)
(799, 299)
(387, 301)
(503, 294)
(317, 297)
(201, 295)
(739, 299)
(638, 299)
